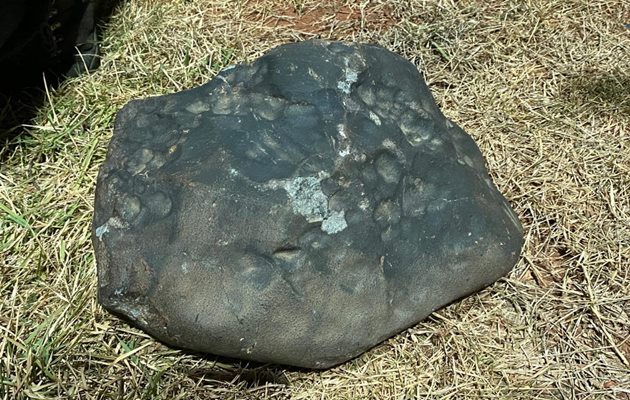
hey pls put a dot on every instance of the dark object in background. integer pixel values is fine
(298, 210)
(55, 37)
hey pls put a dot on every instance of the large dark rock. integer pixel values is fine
(298, 210)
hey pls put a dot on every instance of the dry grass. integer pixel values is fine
(544, 88)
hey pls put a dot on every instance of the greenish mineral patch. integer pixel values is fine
(335, 222)
(308, 199)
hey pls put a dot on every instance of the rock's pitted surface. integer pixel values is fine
(298, 210)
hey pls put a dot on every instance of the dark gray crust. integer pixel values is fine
(298, 210)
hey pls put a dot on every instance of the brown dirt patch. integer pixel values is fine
(335, 19)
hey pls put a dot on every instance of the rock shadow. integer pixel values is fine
(609, 91)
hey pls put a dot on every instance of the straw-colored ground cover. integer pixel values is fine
(543, 87)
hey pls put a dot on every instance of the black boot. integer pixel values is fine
(51, 38)
(57, 37)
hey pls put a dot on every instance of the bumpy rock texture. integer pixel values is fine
(298, 210)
